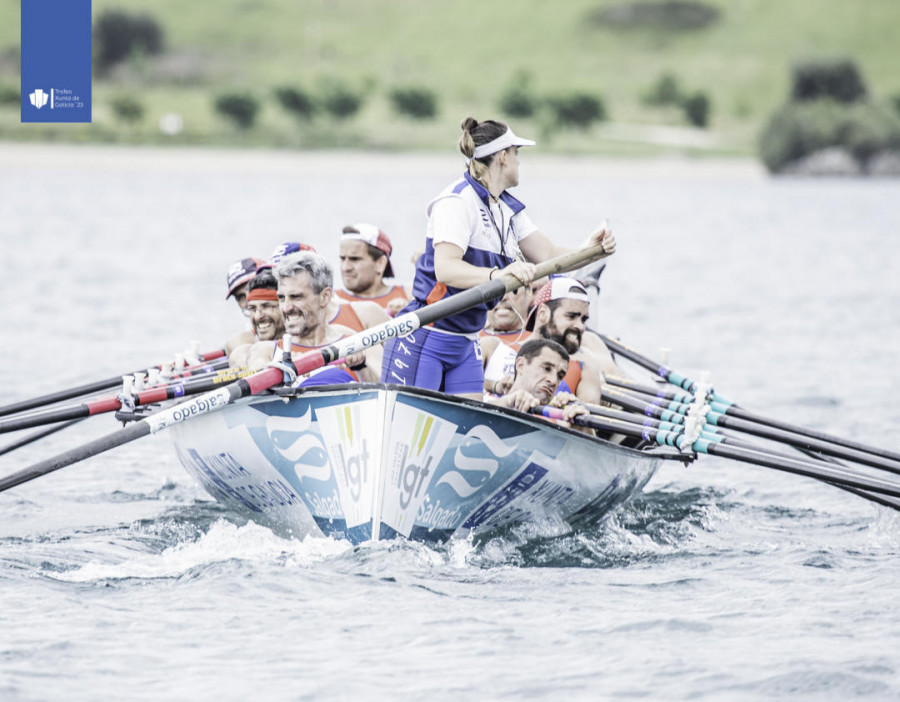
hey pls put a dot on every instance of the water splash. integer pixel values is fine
(252, 544)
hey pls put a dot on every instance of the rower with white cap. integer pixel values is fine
(476, 231)
(365, 263)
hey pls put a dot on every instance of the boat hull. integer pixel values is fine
(379, 462)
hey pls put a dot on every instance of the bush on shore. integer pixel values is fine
(296, 101)
(414, 101)
(239, 108)
(118, 35)
(819, 79)
(802, 128)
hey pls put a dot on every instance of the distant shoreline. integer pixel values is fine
(18, 155)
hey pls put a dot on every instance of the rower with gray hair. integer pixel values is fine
(356, 314)
(305, 293)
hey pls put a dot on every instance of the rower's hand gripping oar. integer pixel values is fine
(269, 377)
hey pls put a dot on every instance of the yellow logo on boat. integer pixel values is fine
(422, 437)
(348, 418)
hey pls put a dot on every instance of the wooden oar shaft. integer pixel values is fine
(644, 421)
(647, 405)
(637, 404)
(647, 398)
(662, 371)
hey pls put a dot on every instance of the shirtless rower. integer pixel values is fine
(365, 263)
(305, 289)
(358, 315)
(264, 311)
(539, 368)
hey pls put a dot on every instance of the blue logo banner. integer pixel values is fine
(56, 60)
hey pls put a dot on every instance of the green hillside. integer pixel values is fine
(468, 53)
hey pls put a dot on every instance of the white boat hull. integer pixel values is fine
(379, 462)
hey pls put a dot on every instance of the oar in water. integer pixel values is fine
(87, 389)
(271, 376)
(683, 442)
(729, 408)
(169, 391)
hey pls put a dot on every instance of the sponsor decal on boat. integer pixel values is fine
(542, 497)
(296, 441)
(223, 474)
(351, 434)
(522, 482)
(434, 516)
(418, 441)
(483, 468)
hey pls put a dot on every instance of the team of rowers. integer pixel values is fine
(531, 348)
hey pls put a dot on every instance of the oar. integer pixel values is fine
(271, 376)
(729, 408)
(716, 417)
(702, 445)
(102, 405)
(87, 389)
(802, 442)
(31, 438)
(713, 434)
(637, 404)
(660, 392)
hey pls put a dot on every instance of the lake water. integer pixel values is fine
(121, 579)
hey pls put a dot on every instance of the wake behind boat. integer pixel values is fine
(368, 462)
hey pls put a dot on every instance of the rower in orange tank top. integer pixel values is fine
(395, 293)
(346, 316)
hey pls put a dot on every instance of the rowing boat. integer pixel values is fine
(369, 461)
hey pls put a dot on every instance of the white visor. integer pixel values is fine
(504, 141)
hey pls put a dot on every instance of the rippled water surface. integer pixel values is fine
(121, 579)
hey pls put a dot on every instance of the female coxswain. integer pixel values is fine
(476, 231)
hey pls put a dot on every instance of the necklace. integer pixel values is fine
(501, 230)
